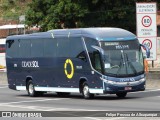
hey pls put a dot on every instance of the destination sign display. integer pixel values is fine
(124, 45)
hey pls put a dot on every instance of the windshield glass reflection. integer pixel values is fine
(122, 59)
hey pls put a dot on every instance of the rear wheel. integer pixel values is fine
(85, 91)
(31, 91)
(121, 94)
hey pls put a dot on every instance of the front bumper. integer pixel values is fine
(115, 87)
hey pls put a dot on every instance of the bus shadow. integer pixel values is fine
(80, 97)
(113, 98)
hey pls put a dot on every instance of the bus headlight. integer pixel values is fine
(142, 80)
(107, 81)
(110, 82)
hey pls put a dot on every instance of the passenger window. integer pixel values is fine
(50, 47)
(82, 56)
(13, 48)
(97, 61)
(94, 54)
(25, 48)
(63, 47)
(37, 47)
(76, 48)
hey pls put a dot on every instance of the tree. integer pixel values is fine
(51, 14)
(112, 13)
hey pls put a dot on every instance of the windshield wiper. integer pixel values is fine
(130, 63)
(122, 63)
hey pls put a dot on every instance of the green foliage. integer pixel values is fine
(111, 13)
(12, 9)
(53, 14)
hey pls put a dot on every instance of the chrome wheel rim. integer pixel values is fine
(31, 88)
(86, 91)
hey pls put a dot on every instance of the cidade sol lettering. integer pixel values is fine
(30, 64)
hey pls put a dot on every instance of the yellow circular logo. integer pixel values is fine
(69, 75)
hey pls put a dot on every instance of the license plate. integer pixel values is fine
(128, 88)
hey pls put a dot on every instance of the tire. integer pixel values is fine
(121, 94)
(85, 91)
(31, 91)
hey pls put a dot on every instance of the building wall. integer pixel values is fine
(4, 33)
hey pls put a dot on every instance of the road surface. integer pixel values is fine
(148, 100)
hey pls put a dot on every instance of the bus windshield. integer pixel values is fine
(122, 59)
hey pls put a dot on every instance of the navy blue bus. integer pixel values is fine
(87, 60)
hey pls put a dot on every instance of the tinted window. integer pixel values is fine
(37, 47)
(63, 47)
(94, 54)
(76, 48)
(91, 42)
(12, 48)
(25, 48)
(50, 47)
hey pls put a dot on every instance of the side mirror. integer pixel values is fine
(147, 50)
(101, 51)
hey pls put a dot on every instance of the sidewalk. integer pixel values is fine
(153, 77)
(156, 63)
(153, 83)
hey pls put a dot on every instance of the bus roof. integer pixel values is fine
(101, 34)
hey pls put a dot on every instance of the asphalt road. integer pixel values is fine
(148, 100)
(74, 105)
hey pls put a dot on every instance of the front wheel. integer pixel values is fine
(85, 91)
(121, 94)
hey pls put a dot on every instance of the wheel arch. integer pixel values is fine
(28, 78)
(81, 81)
